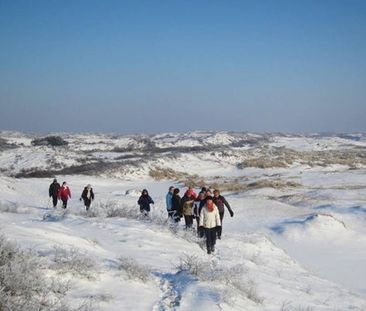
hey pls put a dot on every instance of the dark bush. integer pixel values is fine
(5, 145)
(49, 141)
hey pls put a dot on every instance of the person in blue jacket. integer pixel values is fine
(144, 202)
(169, 203)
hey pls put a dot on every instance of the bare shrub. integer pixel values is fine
(133, 269)
(193, 265)
(9, 208)
(73, 261)
(23, 286)
(230, 276)
(114, 209)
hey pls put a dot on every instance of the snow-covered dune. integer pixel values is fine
(297, 240)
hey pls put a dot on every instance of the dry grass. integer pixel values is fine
(266, 157)
(223, 184)
(159, 173)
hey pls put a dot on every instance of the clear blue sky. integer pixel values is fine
(156, 66)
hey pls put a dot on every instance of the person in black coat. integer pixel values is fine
(87, 196)
(177, 206)
(144, 202)
(221, 202)
(53, 191)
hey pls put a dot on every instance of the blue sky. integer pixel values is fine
(156, 66)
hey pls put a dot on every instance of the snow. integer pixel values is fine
(300, 248)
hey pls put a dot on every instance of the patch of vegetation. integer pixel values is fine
(233, 277)
(55, 141)
(73, 261)
(281, 157)
(4, 145)
(23, 285)
(133, 269)
(159, 173)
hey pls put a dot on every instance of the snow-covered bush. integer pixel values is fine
(113, 209)
(9, 208)
(233, 277)
(133, 269)
(73, 261)
(23, 285)
(193, 265)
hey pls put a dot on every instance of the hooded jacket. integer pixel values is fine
(145, 200)
(87, 194)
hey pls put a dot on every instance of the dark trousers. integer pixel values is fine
(54, 200)
(219, 229)
(64, 203)
(200, 232)
(210, 238)
(87, 203)
(171, 214)
(189, 220)
(176, 216)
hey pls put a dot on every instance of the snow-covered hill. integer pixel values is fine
(297, 240)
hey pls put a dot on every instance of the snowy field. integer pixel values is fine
(297, 240)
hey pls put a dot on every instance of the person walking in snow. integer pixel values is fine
(144, 202)
(190, 193)
(169, 203)
(197, 210)
(187, 206)
(176, 205)
(210, 222)
(64, 194)
(88, 196)
(221, 202)
(53, 192)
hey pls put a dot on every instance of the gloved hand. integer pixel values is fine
(81, 199)
(231, 213)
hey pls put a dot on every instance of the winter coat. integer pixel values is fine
(168, 200)
(64, 193)
(210, 219)
(177, 204)
(144, 202)
(88, 194)
(187, 207)
(54, 189)
(196, 210)
(221, 202)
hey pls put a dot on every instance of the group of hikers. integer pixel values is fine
(207, 208)
(63, 193)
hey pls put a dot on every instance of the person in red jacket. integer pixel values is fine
(64, 194)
